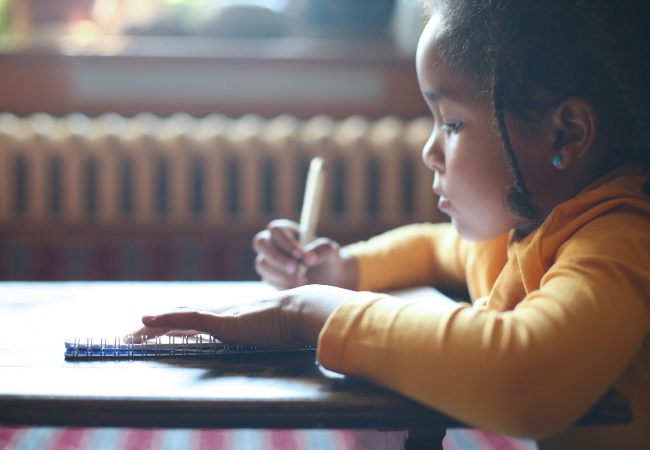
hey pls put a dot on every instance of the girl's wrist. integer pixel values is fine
(349, 270)
(310, 307)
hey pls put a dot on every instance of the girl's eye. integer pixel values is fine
(454, 126)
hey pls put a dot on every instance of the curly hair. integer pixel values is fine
(532, 54)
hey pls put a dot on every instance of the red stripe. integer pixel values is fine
(6, 433)
(495, 441)
(69, 439)
(346, 437)
(283, 439)
(139, 439)
(211, 440)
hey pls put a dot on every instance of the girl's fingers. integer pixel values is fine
(293, 228)
(276, 277)
(183, 333)
(286, 240)
(319, 250)
(273, 255)
(145, 333)
(188, 319)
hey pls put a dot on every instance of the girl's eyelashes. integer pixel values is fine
(453, 126)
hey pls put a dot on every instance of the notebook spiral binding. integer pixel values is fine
(156, 348)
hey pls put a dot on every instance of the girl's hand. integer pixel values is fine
(289, 320)
(279, 254)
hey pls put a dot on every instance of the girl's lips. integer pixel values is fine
(443, 203)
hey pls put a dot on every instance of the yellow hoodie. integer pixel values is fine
(558, 318)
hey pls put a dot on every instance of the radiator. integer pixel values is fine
(214, 170)
(179, 198)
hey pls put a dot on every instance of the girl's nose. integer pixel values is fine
(432, 154)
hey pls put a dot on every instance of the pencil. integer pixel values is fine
(311, 205)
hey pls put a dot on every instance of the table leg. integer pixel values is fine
(425, 439)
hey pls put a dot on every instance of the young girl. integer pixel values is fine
(541, 120)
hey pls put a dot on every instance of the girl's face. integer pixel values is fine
(465, 153)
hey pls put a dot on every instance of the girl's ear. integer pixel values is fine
(575, 123)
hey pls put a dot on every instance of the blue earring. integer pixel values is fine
(557, 159)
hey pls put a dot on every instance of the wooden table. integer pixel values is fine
(262, 390)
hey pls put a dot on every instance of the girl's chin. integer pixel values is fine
(471, 233)
(462, 230)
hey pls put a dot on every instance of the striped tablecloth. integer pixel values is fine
(50, 438)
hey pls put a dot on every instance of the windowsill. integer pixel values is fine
(287, 48)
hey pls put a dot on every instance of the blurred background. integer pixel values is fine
(151, 139)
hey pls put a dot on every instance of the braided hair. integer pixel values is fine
(532, 54)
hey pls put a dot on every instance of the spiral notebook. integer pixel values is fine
(162, 346)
